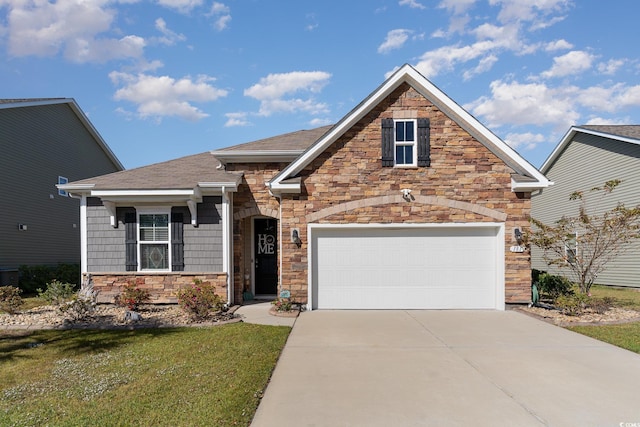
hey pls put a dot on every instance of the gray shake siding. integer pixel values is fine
(589, 161)
(39, 143)
(202, 244)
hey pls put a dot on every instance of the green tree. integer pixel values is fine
(585, 243)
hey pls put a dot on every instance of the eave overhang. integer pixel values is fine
(252, 156)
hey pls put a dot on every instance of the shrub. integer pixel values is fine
(282, 304)
(10, 299)
(572, 305)
(554, 286)
(79, 308)
(199, 300)
(57, 292)
(132, 297)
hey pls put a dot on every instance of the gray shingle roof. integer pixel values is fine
(299, 140)
(183, 173)
(628, 131)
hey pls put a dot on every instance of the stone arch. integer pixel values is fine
(388, 200)
(256, 210)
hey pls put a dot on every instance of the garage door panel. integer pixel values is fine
(445, 267)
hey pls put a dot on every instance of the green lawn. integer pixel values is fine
(625, 336)
(160, 377)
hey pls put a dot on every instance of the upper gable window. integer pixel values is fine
(405, 143)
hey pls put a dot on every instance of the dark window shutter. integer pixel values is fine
(424, 143)
(131, 241)
(387, 142)
(177, 242)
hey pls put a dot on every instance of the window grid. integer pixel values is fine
(405, 143)
(153, 241)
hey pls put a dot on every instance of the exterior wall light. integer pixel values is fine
(295, 237)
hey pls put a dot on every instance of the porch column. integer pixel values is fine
(227, 241)
(83, 234)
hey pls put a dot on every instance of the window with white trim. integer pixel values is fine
(62, 180)
(405, 149)
(153, 241)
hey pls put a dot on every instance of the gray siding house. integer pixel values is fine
(44, 142)
(587, 157)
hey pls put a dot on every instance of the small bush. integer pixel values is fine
(554, 286)
(199, 300)
(57, 292)
(282, 304)
(79, 308)
(572, 305)
(10, 299)
(600, 305)
(132, 297)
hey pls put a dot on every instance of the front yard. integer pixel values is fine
(161, 377)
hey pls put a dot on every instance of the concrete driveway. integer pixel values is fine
(447, 368)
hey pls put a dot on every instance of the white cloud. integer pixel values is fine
(411, 3)
(594, 120)
(73, 27)
(395, 40)
(516, 104)
(162, 96)
(483, 66)
(538, 104)
(169, 37)
(221, 14)
(184, 6)
(236, 119)
(561, 44)
(573, 62)
(611, 67)
(527, 140)
(536, 11)
(272, 90)
(320, 122)
(457, 7)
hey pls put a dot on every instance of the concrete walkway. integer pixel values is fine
(258, 312)
(447, 368)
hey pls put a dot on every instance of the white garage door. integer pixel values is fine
(444, 267)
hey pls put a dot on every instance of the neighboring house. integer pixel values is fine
(44, 142)
(407, 202)
(587, 157)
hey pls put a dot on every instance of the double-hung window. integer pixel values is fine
(405, 143)
(153, 241)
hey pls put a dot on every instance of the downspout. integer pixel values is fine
(279, 196)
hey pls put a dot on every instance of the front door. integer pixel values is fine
(265, 255)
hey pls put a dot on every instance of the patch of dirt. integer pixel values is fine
(111, 317)
(614, 315)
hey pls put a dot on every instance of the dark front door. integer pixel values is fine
(266, 257)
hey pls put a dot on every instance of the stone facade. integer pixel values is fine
(162, 286)
(466, 182)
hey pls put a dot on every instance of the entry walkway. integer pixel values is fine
(447, 368)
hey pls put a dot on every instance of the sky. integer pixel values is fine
(162, 79)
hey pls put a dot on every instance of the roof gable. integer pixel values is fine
(36, 102)
(408, 74)
(623, 133)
